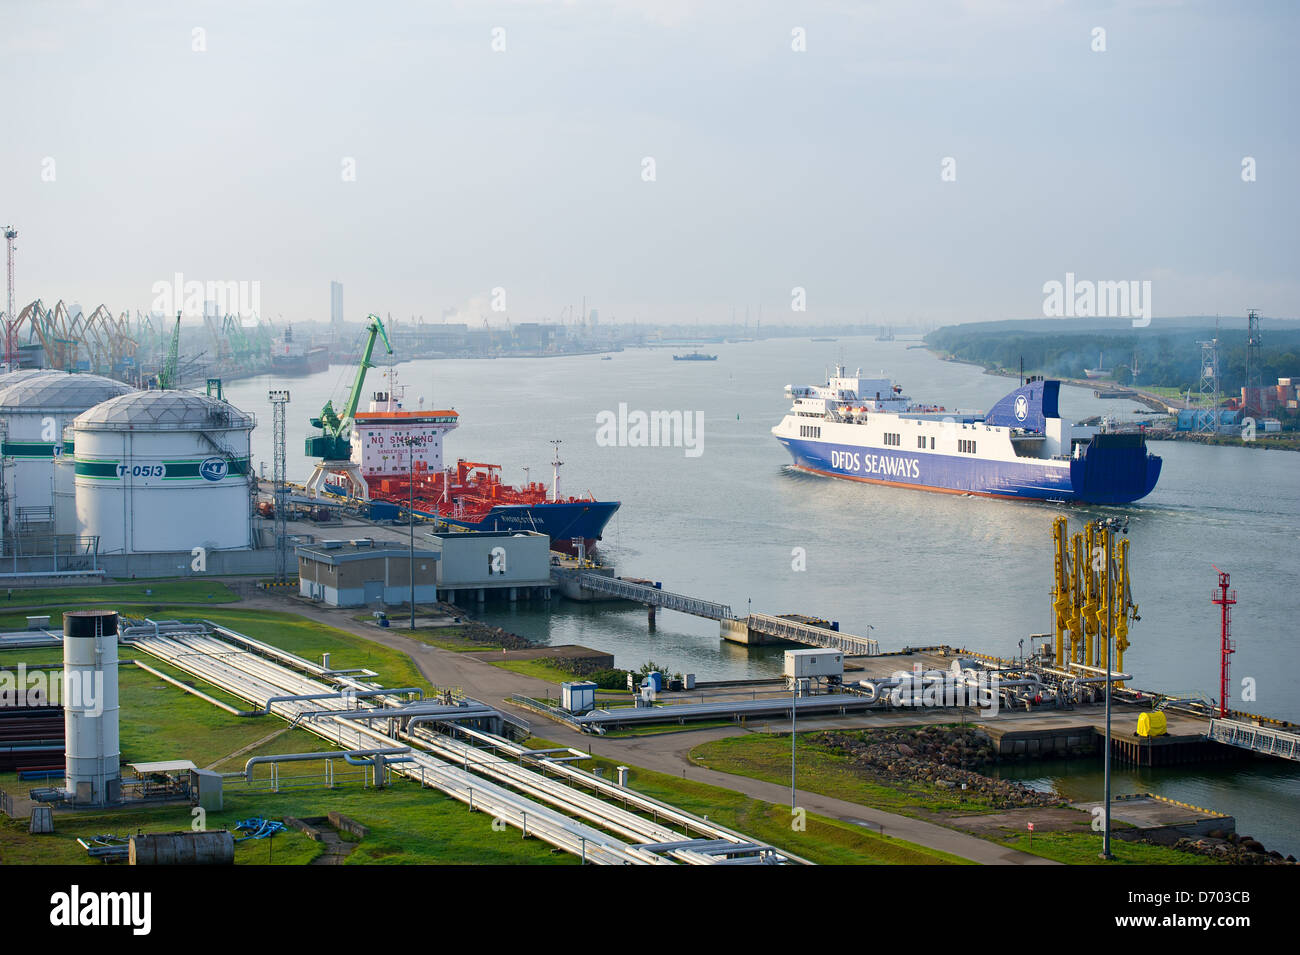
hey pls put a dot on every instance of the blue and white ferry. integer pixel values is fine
(866, 429)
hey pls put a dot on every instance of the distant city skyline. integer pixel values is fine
(827, 162)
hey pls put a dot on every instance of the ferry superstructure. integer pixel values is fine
(866, 429)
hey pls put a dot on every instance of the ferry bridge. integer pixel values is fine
(653, 597)
(756, 627)
(1257, 739)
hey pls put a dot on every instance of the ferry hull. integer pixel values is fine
(1116, 469)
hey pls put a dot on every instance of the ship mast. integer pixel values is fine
(555, 471)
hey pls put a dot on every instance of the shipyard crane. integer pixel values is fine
(332, 447)
(167, 373)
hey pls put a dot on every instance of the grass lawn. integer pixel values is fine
(288, 631)
(824, 841)
(310, 639)
(446, 638)
(407, 826)
(159, 721)
(657, 729)
(1084, 848)
(185, 590)
(544, 670)
(538, 669)
(767, 757)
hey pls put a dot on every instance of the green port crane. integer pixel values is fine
(333, 443)
(167, 374)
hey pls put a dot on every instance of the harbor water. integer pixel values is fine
(727, 519)
(734, 523)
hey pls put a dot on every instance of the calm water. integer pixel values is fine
(906, 567)
(1261, 794)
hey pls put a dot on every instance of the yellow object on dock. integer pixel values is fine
(1152, 724)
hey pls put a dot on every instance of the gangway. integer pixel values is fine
(799, 632)
(1257, 739)
(782, 628)
(645, 594)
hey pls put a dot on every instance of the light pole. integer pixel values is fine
(794, 705)
(410, 515)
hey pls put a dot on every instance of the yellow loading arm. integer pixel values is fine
(1076, 610)
(1092, 597)
(1091, 609)
(1062, 591)
(1126, 610)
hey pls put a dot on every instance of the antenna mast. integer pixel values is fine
(555, 471)
(11, 319)
(1225, 598)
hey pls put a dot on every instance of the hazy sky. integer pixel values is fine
(774, 168)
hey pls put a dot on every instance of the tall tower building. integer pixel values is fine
(336, 304)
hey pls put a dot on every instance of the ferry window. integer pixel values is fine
(932, 444)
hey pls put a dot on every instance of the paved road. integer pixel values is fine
(666, 753)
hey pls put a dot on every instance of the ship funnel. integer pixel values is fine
(1028, 407)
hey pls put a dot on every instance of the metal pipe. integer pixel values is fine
(351, 756)
(199, 693)
(397, 713)
(257, 679)
(338, 694)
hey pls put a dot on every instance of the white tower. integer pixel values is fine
(90, 709)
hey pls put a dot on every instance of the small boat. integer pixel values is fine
(695, 356)
(1101, 371)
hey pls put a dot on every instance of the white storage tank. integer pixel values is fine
(13, 377)
(164, 471)
(65, 488)
(90, 708)
(36, 407)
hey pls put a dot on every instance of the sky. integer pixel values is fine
(933, 161)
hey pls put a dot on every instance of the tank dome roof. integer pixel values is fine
(59, 391)
(163, 411)
(13, 377)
